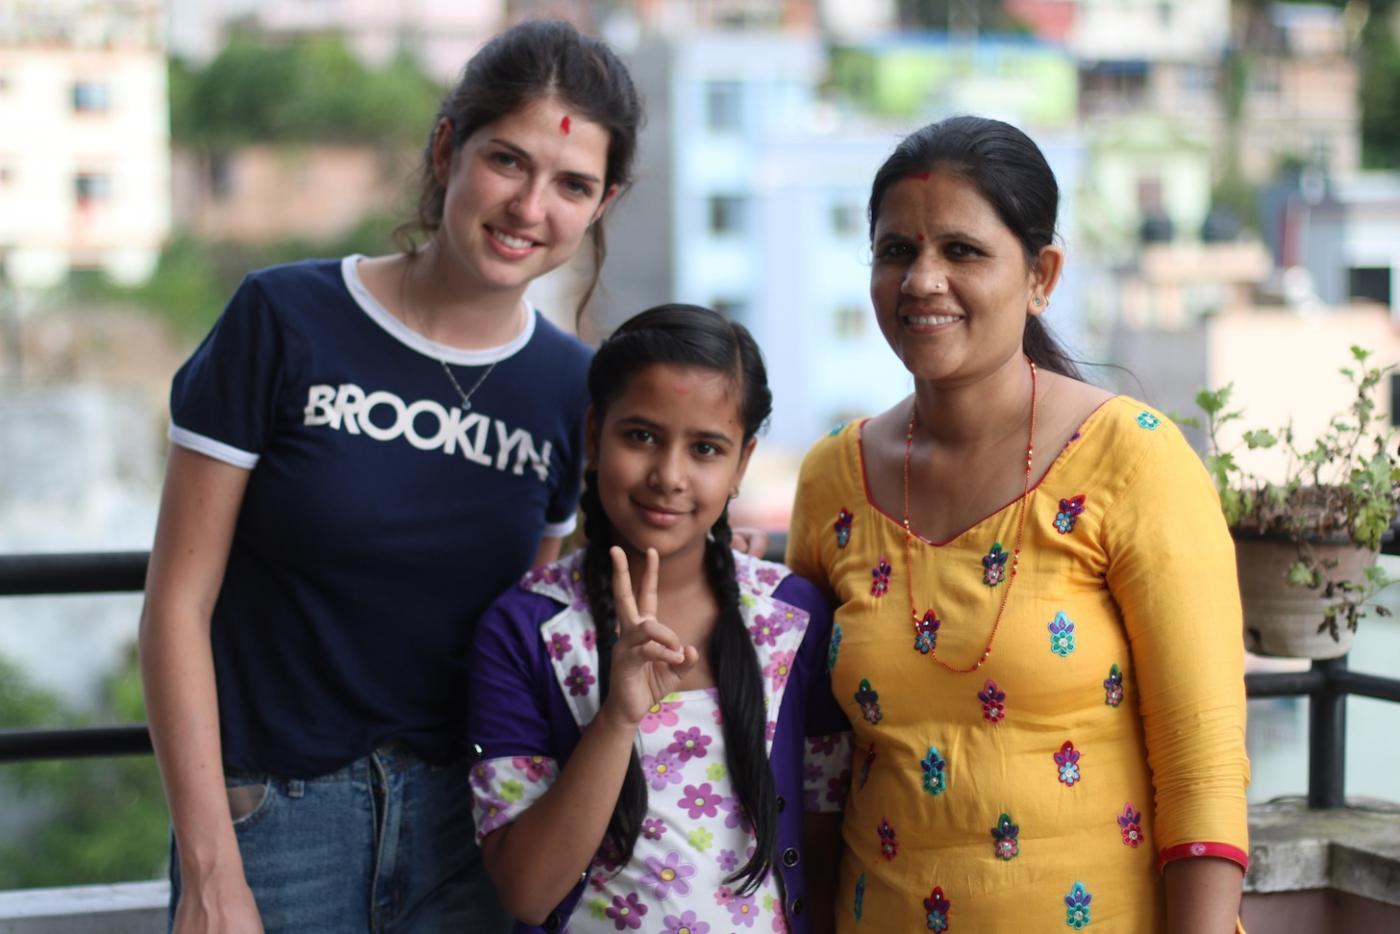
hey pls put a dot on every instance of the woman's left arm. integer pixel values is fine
(1171, 569)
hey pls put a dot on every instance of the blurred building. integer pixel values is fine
(85, 156)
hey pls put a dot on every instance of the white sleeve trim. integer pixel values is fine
(560, 529)
(211, 448)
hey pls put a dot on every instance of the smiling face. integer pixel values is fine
(669, 453)
(950, 282)
(520, 193)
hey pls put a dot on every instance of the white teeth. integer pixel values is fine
(931, 320)
(515, 243)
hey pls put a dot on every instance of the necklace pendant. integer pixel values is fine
(466, 405)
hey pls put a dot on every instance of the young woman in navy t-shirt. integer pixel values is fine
(366, 451)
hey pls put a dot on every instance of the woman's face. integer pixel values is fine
(520, 193)
(950, 283)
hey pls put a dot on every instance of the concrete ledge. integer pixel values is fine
(1355, 850)
(128, 908)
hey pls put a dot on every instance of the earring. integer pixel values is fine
(733, 494)
(1038, 301)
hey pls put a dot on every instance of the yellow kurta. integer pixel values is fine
(1107, 725)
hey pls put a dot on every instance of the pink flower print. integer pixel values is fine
(685, 923)
(728, 860)
(661, 877)
(779, 667)
(590, 639)
(652, 828)
(743, 911)
(717, 715)
(779, 923)
(559, 644)
(659, 715)
(598, 881)
(700, 801)
(734, 814)
(689, 744)
(482, 773)
(1068, 761)
(823, 745)
(770, 730)
(766, 629)
(769, 575)
(626, 913)
(723, 895)
(536, 768)
(661, 770)
(579, 589)
(836, 787)
(1130, 825)
(993, 702)
(549, 573)
(580, 677)
(880, 577)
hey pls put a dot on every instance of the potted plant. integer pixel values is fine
(1306, 546)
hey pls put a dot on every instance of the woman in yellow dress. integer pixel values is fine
(1038, 637)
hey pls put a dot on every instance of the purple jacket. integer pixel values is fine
(532, 691)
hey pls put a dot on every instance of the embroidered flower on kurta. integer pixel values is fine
(766, 629)
(659, 715)
(843, 527)
(559, 644)
(580, 677)
(1113, 687)
(889, 846)
(778, 668)
(743, 910)
(865, 766)
(869, 700)
(700, 800)
(935, 781)
(661, 770)
(835, 648)
(993, 702)
(653, 829)
(1006, 834)
(689, 744)
(1077, 904)
(1070, 510)
(1061, 635)
(1130, 825)
(685, 923)
(858, 906)
(1067, 759)
(880, 577)
(664, 875)
(926, 633)
(937, 908)
(1148, 420)
(994, 566)
(626, 913)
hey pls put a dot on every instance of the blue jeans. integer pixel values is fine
(383, 845)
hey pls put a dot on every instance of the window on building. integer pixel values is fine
(1369, 283)
(723, 106)
(847, 218)
(91, 97)
(849, 322)
(735, 309)
(726, 215)
(91, 187)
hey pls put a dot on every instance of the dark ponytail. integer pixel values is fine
(689, 335)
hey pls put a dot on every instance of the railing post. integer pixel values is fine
(1327, 737)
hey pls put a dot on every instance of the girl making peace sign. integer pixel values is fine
(650, 759)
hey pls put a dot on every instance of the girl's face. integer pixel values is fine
(520, 193)
(950, 283)
(669, 452)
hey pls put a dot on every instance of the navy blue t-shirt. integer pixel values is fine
(379, 519)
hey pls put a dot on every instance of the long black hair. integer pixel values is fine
(688, 335)
(1009, 170)
(532, 60)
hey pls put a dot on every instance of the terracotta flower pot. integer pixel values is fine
(1280, 619)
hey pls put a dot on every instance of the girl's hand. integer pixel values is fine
(648, 660)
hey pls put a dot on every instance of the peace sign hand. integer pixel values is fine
(648, 660)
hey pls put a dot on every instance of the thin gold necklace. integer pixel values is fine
(466, 396)
(926, 626)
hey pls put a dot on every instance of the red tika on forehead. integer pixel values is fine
(564, 125)
(921, 176)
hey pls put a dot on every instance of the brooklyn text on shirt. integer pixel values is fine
(428, 425)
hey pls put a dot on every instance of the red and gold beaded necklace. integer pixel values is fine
(926, 626)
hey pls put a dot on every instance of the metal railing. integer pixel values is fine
(1327, 684)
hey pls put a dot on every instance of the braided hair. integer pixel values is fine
(689, 335)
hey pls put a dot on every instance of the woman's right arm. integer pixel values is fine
(198, 511)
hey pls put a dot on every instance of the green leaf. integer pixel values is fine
(1262, 438)
(1300, 575)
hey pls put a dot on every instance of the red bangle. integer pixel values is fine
(1189, 850)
